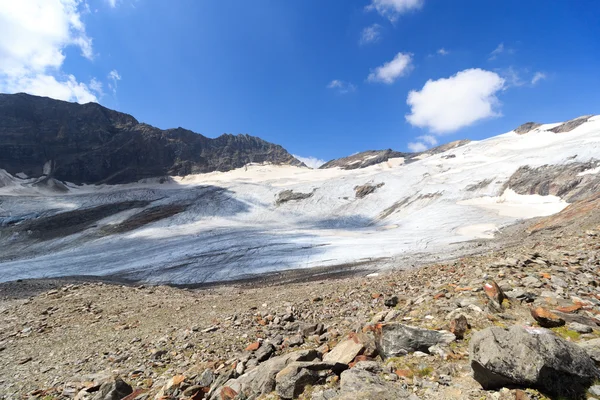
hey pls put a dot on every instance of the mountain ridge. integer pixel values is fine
(90, 144)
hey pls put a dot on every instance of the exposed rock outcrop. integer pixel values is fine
(365, 190)
(570, 125)
(373, 157)
(568, 181)
(91, 144)
(290, 195)
(527, 127)
(364, 159)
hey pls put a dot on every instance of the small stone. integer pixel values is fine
(458, 326)
(253, 346)
(296, 340)
(580, 328)
(391, 301)
(113, 389)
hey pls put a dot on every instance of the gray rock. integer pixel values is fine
(261, 380)
(290, 195)
(365, 190)
(594, 390)
(345, 351)
(580, 328)
(113, 389)
(395, 339)
(295, 340)
(291, 381)
(264, 352)
(526, 127)
(358, 384)
(531, 281)
(530, 357)
(592, 348)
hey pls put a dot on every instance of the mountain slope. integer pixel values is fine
(92, 144)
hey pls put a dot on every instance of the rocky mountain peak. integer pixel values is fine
(92, 144)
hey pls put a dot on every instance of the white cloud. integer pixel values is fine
(390, 71)
(96, 86)
(113, 77)
(392, 9)
(423, 143)
(443, 52)
(538, 76)
(33, 36)
(429, 139)
(112, 3)
(417, 147)
(500, 49)
(448, 104)
(311, 162)
(371, 34)
(341, 86)
(511, 76)
(496, 52)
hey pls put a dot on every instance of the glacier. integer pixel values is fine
(224, 226)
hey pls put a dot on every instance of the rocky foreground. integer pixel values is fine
(521, 323)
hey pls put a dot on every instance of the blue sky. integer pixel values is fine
(322, 78)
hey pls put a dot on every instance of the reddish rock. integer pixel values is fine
(494, 292)
(253, 346)
(546, 318)
(228, 393)
(570, 309)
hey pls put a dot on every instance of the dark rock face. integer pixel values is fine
(290, 195)
(365, 190)
(530, 358)
(527, 127)
(564, 180)
(372, 157)
(570, 125)
(91, 144)
(364, 159)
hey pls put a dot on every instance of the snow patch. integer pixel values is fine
(512, 204)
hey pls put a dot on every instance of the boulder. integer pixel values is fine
(396, 339)
(261, 380)
(113, 389)
(530, 357)
(291, 381)
(360, 384)
(546, 318)
(592, 348)
(347, 350)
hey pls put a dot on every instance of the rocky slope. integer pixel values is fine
(373, 157)
(92, 144)
(516, 323)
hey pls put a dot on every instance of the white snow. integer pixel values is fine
(592, 171)
(511, 204)
(233, 228)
